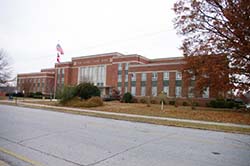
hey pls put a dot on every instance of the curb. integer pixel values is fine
(78, 110)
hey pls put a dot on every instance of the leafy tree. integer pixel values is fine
(87, 90)
(220, 29)
(4, 67)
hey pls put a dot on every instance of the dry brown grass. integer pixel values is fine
(200, 113)
(182, 112)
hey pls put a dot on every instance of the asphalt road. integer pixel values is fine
(38, 137)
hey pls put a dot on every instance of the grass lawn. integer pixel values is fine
(182, 112)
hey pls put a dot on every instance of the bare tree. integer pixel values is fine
(4, 67)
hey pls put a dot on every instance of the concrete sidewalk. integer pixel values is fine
(20, 103)
(2, 163)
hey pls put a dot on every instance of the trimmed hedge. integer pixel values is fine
(87, 90)
(127, 98)
(221, 103)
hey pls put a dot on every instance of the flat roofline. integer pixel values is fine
(40, 73)
(98, 55)
(158, 64)
(132, 55)
(170, 58)
(47, 68)
(61, 63)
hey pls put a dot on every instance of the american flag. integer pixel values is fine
(59, 49)
(58, 58)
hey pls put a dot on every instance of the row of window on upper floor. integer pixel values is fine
(31, 80)
(154, 76)
(120, 66)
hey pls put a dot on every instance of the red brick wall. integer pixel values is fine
(112, 75)
(172, 77)
(149, 84)
(138, 84)
(160, 83)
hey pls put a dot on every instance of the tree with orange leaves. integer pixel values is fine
(216, 42)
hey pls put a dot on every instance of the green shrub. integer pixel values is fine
(171, 102)
(185, 103)
(38, 95)
(221, 103)
(68, 93)
(30, 94)
(87, 90)
(127, 97)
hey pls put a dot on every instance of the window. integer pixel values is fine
(193, 78)
(143, 76)
(166, 76)
(93, 74)
(119, 89)
(126, 66)
(154, 76)
(126, 89)
(143, 91)
(119, 66)
(166, 90)
(178, 91)
(178, 76)
(154, 91)
(126, 78)
(190, 92)
(119, 78)
(133, 77)
(205, 92)
(133, 90)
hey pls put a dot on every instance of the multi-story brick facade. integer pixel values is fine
(37, 82)
(127, 73)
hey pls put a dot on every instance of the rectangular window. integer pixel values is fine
(190, 92)
(143, 83)
(143, 91)
(119, 78)
(143, 76)
(126, 89)
(166, 83)
(193, 78)
(154, 91)
(178, 76)
(133, 76)
(119, 89)
(119, 66)
(126, 66)
(178, 91)
(154, 83)
(205, 93)
(154, 76)
(133, 90)
(166, 90)
(166, 76)
(126, 78)
(178, 82)
(119, 72)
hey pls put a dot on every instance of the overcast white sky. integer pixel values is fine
(30, 30)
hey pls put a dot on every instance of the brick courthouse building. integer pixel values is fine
(127, 73)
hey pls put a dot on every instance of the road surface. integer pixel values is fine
(45, 138)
